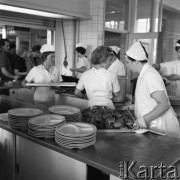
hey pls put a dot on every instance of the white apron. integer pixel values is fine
(100, 101)
(167, 123)
(44, 96)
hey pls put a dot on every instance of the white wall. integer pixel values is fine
(77, 8)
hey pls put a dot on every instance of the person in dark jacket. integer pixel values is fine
(6, 69)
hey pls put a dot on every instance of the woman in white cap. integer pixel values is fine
(44, 73)
(99, 83)
(152, 107)
(82, 63)
(171, 71)
(116, 66)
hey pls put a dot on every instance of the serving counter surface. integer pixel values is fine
(148, 150)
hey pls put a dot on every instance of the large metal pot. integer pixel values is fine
(122, 82)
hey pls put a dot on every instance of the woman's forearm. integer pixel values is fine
(158, 111)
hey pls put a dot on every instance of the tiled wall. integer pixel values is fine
(90, 32)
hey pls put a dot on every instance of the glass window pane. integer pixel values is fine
(116, 16)
(143, 16)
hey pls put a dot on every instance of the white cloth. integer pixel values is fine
(117, 67)
(115, 49)
(150, 81)
(168, 68)
(99, 85)
(137, 52)
(83, 45)
(47, 48)
(39, 74)
(82, 62)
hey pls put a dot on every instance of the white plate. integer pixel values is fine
(141, 131)
(64, 110)
(26, 112)
(78, 146)
(74, 138)
(47, 120)
(76, 129)
(4, 117)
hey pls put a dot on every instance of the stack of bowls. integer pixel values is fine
(18, 118)
(44, 126)
(75, 135)
(71, 113)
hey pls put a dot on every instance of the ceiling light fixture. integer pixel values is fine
(33, 12)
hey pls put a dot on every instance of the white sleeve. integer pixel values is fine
(153, 83)
(167, 68)
(115, 84)
(82, 62)
(121, 70)
(80, 84)
(30, 76)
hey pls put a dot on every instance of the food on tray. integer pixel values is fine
(104, 118)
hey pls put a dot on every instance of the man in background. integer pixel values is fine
(6, 69)
(34, 57)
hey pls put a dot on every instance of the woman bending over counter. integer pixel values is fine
(152, 107)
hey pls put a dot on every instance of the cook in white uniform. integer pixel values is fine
(152, 106)
(116, 66)
(99, 83)
(171, 70)
(82, 63)
(44, 73)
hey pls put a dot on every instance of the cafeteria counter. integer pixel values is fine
(30, 158)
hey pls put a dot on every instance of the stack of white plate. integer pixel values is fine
(18, 118)
(72, 114)
(75, 135)
(44, 126)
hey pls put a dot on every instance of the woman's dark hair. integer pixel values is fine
(143, 61)
(12, 45)
(81, 50)
(177, 47)
(100, 54)
(45, 55)
(117, 55)
(36, 48)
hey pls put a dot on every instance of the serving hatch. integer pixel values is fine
(61, 84)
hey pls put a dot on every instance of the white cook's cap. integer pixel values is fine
(137, 52)
(47, 48)
(177, 45)
(81, 45)
(115, 49)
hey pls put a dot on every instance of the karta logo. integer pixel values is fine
(130, 170)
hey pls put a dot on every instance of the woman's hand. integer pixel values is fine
(130, 107)
(16, 77)
(140, 122)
